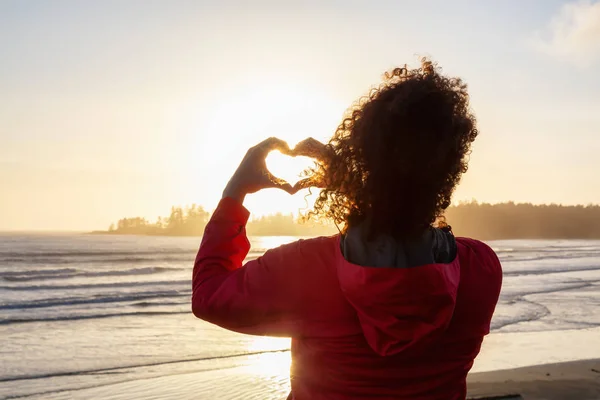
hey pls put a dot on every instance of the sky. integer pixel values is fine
(124, 108)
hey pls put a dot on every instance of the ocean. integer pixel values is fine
(102, 316)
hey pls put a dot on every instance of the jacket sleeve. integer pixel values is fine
(257, 298)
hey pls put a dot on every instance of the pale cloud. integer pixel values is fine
(573, 33)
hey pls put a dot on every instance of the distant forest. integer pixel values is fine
(524, 221)
(191, 221)
(473, 219)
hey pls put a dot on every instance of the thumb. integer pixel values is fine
(307, 183)
(278, 183)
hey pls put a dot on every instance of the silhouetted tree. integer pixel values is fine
(479, 220)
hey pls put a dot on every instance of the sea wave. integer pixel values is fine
(76, 317)
(124, 367)
(553, 270)
(545, 248)
(112, 285)
(514, 312)
(561, 257)
(95, 261)
(96, 299)
(48, 271)
(67, 273)
(102, 253)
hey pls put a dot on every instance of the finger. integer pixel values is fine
(278, 183)
(306, 183)
(309, 141)
(271, 144)
(288, 188)
(284, 186)
(302, 184)
(305, 145)
(310, 147)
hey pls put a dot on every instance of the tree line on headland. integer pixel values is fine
(191, 221)
(524, 221)
(480, 220)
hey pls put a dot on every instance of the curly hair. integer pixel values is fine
(398, 154)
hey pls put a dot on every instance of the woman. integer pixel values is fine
(394, 307)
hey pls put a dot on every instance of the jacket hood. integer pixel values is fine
(400, 306)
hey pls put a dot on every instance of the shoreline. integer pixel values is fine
(569, 380)
(292, 234)
(535, 365)
(577, 380)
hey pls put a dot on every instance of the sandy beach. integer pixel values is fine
(265, 376)
(578, 380)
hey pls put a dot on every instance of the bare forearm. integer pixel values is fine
(234, 191)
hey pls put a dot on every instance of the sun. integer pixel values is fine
(241, 117)
(291, 113)
(286, 167)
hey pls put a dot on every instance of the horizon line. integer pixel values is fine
(41, 231)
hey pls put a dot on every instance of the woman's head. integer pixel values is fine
(399, 153)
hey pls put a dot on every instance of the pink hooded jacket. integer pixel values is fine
(357, 332)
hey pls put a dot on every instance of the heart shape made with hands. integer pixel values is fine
(288, 167)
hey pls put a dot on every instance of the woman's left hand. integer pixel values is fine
(252, 175)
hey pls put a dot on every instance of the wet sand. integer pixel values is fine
(577, 380)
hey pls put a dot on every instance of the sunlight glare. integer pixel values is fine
(267, 343)
(270, 364)
(286, 167)
(241, 117)
(270, 242)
